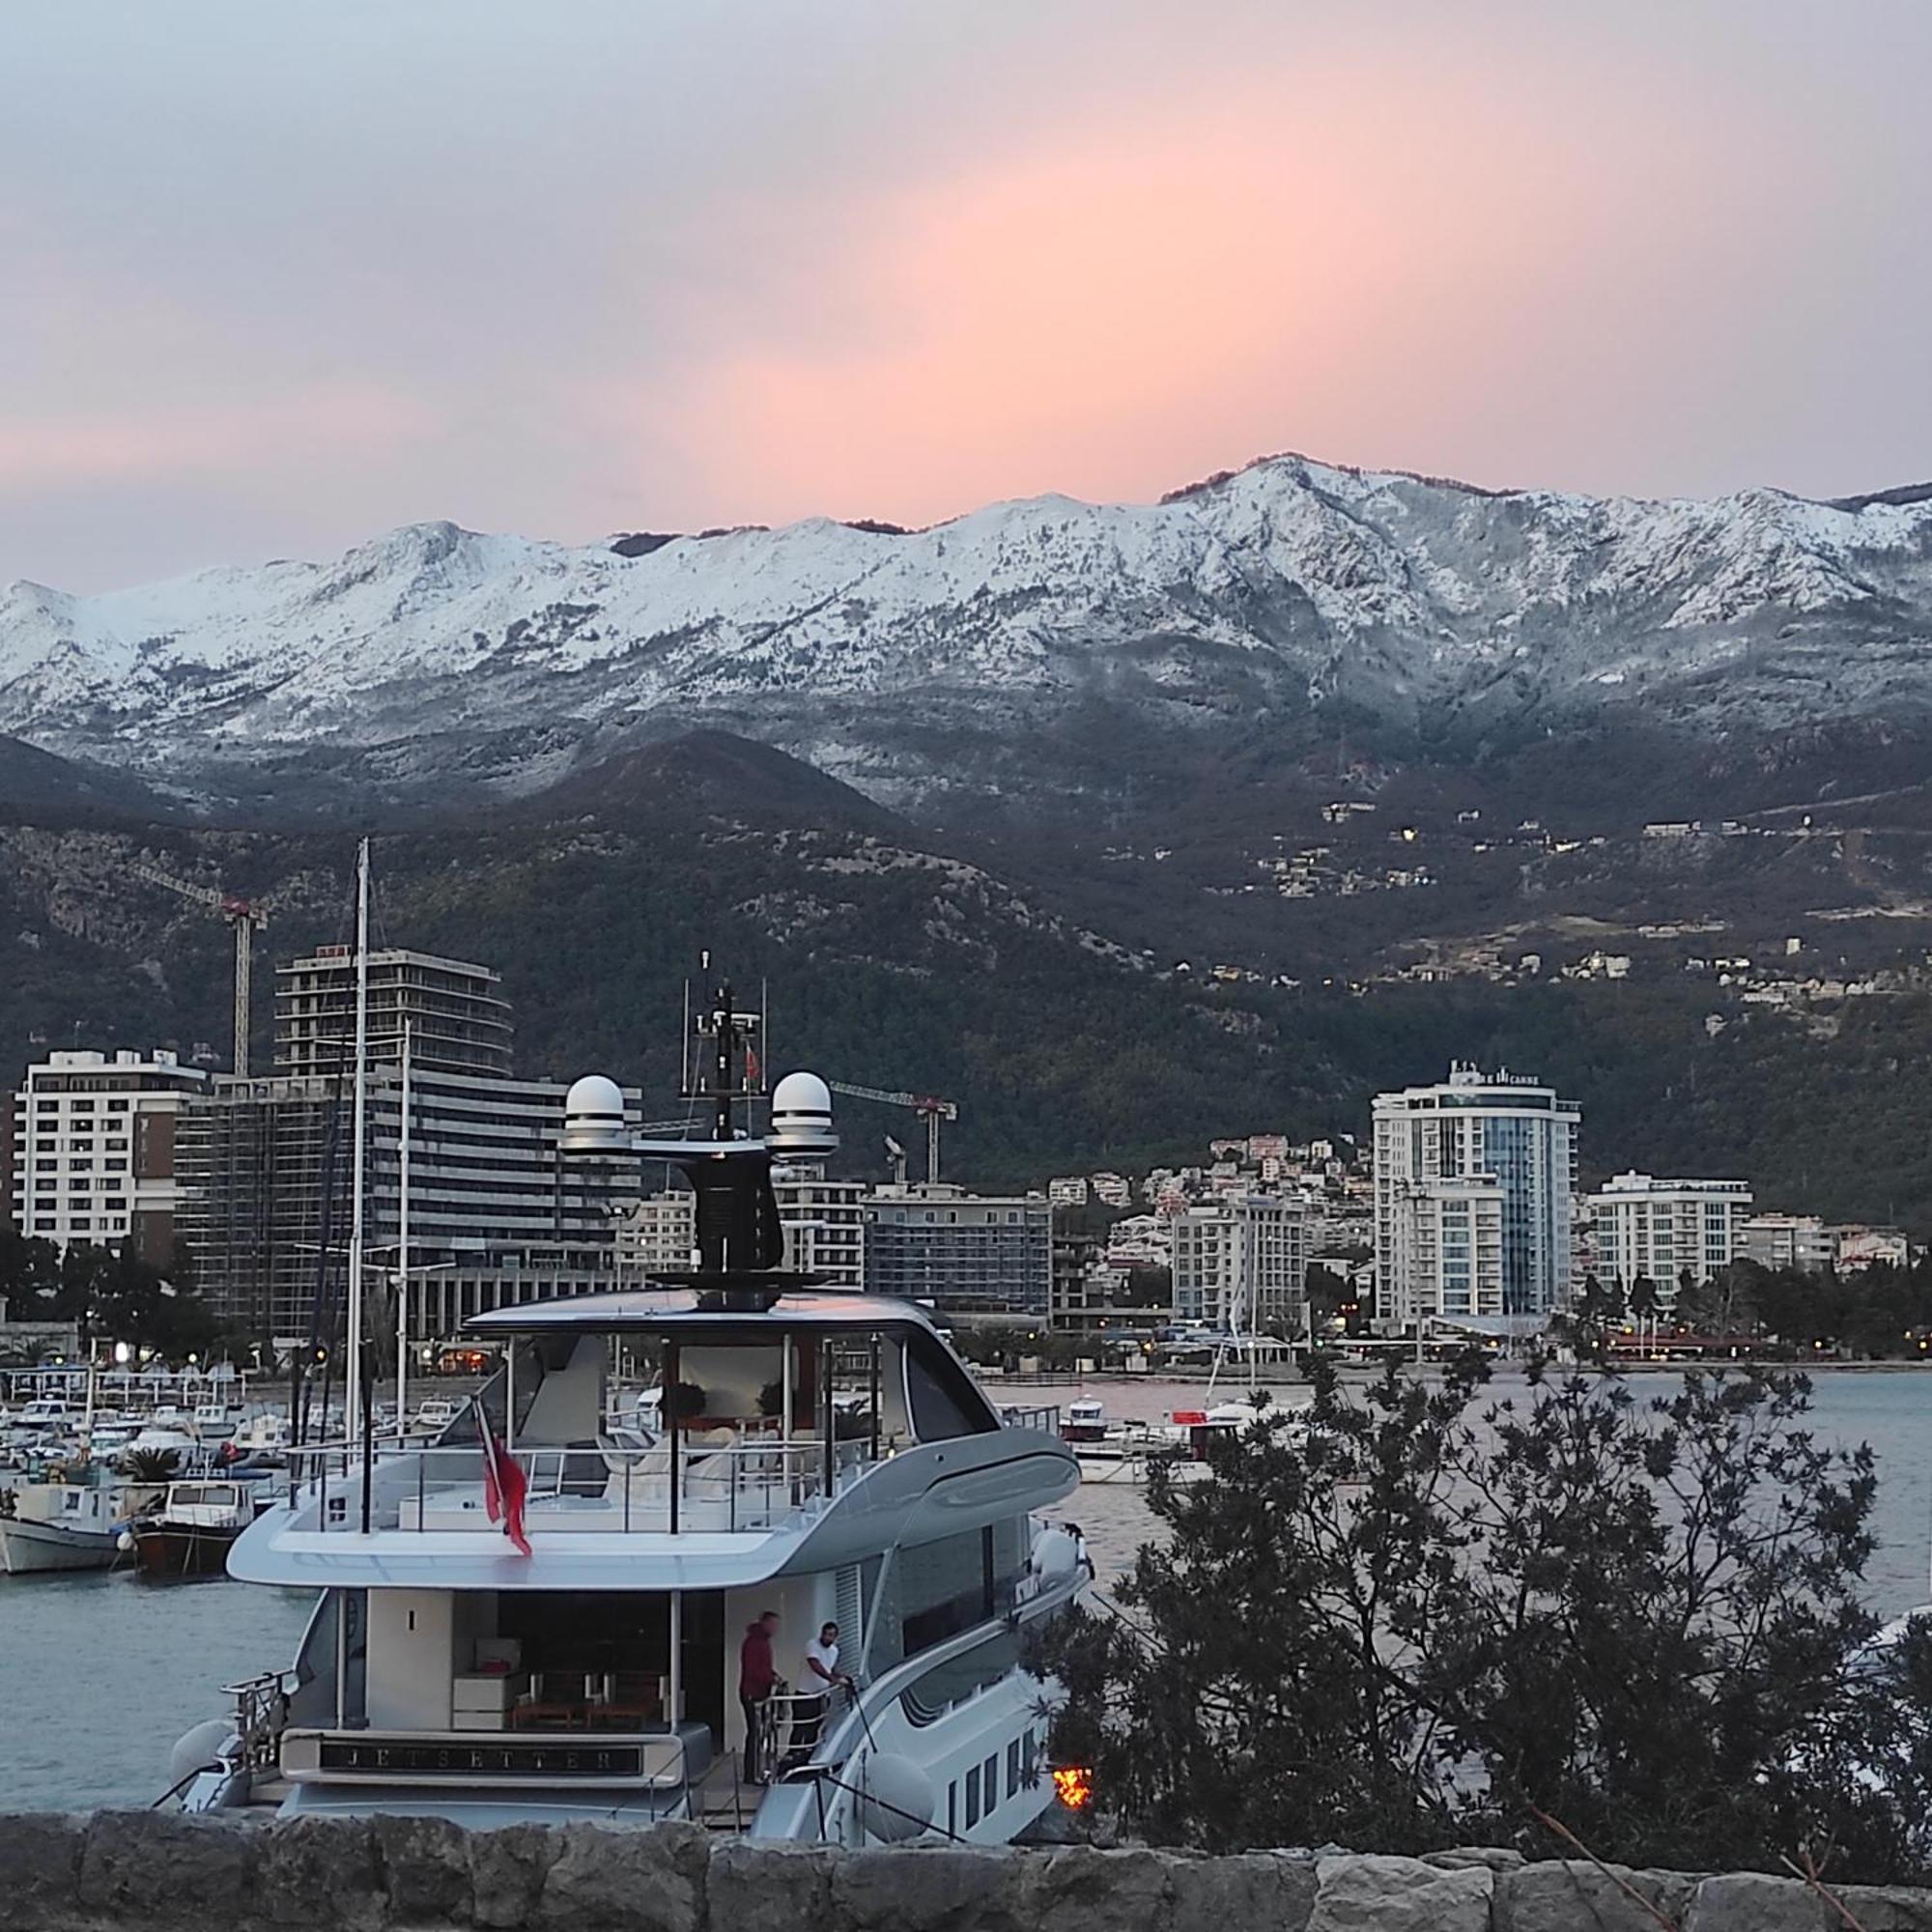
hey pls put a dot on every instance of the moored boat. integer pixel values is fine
(191, 1530)
(1084, 1420)
(75, 1525)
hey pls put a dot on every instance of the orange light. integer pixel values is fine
(1073, 1785)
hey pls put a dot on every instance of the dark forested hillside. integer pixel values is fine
(1036, 981)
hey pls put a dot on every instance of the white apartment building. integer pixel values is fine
(824, 1222)
(1788, 1241)
(658, 1235)
(1240, 1265)
(1661, 1228)
(94, 1148)
(1474, 1180)
(1067, 1190)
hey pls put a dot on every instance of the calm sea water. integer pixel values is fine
(100, 1673)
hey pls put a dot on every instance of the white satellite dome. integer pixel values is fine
(593, 1116)
(802, 1116)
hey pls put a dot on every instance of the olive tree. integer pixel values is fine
(1415, 1613)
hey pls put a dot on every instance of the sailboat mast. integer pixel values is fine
(402, 1247)
(354, 1392)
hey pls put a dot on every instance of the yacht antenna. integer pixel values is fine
(730, 1071)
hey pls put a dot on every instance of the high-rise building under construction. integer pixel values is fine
(265, 1166)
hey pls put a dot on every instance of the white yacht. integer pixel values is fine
(826, 1458)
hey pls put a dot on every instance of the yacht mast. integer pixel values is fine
(354, 1392)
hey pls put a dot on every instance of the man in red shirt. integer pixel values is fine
(756, 1677)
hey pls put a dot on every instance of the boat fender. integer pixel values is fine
(125, 1541)
(896, 1800)
(1056, 1553)
(198, 1748)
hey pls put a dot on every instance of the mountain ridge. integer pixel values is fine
(1288, 594)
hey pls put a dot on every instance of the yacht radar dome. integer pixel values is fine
(593, 1117)
(802, 1117)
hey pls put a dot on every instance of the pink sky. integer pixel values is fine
(307, 278)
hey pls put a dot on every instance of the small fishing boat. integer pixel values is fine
(189, 1532)
(1084, 1420)
(74, 1525)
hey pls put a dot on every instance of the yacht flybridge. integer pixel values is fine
(824, 1458)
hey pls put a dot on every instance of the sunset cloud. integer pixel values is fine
(189, 440)
(308, 272)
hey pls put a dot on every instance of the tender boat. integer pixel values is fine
(189, 1532)
(1084, 1420)
(75, 1525)
(532, 1617)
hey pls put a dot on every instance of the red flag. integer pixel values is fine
(503, 1485)
(750, 1065)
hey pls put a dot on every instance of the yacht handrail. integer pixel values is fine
(261, 1714)
(757, 1482)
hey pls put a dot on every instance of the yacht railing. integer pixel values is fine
(261, 1711)
(754, 1484)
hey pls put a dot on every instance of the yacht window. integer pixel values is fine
(990, 1783)
(600, 1659)
(972, 1797)
(953, 1809)
(1013, 1767)
(934, 1591)
(936, 1413)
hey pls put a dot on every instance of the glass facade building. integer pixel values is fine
(1475, 1178)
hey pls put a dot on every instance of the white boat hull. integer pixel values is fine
(28, 1547)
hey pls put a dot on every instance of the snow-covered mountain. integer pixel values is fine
(895, 659)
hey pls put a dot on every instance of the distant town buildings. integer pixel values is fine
(656, 1234)
(1474, 1178)
(1805, 1241)
(824, 1222)
(93, 1149)
(931, 1242)
(1787, 1241)
(1661, 1230)
(1240, 1265)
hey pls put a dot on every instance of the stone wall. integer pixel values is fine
(159, 1870)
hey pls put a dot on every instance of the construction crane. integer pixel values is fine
(929, 1106)
(895, 1153)
(247, 919)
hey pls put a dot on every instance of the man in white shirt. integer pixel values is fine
(821, 1675)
